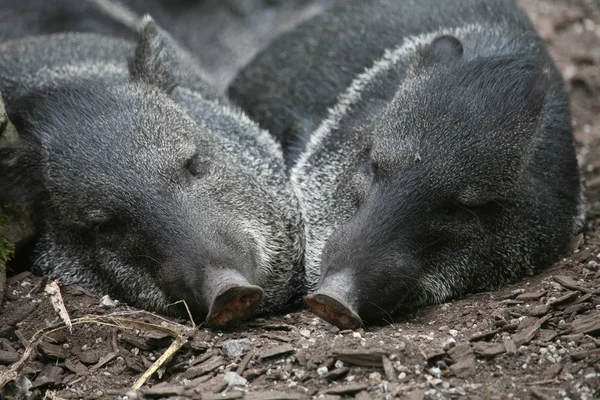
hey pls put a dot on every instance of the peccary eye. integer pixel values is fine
(195, 166)
(110, 226)
(456, 209)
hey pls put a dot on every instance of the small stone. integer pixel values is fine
(236, 348)
(234, 379)
(375, 377)
(107, 302)
(449, 343)
(453, 332)
(339, 364)
(321, 371)
(305, 333)
(401, 376)
(435, 371)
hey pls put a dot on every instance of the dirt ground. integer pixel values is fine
(536, 339)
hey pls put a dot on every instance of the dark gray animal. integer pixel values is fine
(223, 35)
(430, 146)
(144, 186)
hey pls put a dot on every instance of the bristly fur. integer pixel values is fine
(141, 180)
(429, 144)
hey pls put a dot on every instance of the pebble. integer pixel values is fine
(305, 333)
(339, 364)
(375, 377)
(233, 379)
(435, 371)
(236, 348)
(449, 343)
(321, 371)
(107, 302)
(402, 375)
(453, 332)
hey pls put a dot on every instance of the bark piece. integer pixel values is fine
(531, 296)
(204, 368)
(361, 357)
(276, 351)
(53, 351)
(346, 390)
(336, 374)
(569, 283)
(483, 335)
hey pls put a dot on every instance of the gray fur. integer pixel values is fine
(425, 168)
(143, 181)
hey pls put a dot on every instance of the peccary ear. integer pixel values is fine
(443, 49)
(156, 61)
(21, 173)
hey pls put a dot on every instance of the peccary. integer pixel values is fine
(430, 145)
(223, 35)
(144, 187)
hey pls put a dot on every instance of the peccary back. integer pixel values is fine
(146, 186)
(430, 146)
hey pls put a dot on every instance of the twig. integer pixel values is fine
(180, 335)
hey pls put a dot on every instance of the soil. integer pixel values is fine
(539, 338)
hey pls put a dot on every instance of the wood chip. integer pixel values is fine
(279, 338)
(53, 290)
(388, 369)
(277, 327)
(53, 351)
(553, 371)
(227, 396)
(103, 361)
(485, 349)
(567, 298)
(336, 374)
(50, 375)
(9, 357)
(569, 283)
(464, 356)
(244, 364)
(163, 390)
(207, 384)
(483, 335)
(276, 351)
(274, 396)
(527, 334)
(588, 324)
(346, 390)
(158, 340)
(538, 394)
(76, 367)
(432, 355)
(204, 368)
(136, 342)
(364, 395)
(531, 296)
(362, 357)
(510, 346)
(539, 311)
(580, 355)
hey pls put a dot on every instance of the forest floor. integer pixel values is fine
(539, 338)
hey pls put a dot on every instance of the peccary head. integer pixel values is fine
(136, 198)
(455, 190)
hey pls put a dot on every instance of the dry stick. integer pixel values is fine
(179, 334)
(188, 311)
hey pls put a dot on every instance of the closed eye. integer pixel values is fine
(195, 166)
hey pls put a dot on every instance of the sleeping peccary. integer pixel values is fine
(144, 187)
(430, 145)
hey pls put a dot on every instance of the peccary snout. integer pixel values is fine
(143, 187)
